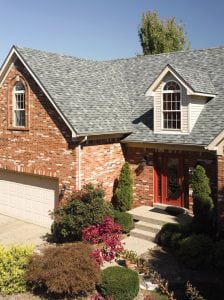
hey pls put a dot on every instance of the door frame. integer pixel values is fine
(160, 177)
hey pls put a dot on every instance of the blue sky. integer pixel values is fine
(102, 29)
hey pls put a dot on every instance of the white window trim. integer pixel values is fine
(171, 130)
(15, 93)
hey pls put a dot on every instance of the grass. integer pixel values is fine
(158, 296)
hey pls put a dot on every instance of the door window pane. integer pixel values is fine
(173, 186)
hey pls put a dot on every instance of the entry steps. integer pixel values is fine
(149, 220)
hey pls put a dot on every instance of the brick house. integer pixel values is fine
(66, 121)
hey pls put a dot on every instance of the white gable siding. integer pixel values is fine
(158, 126)
(196, 107)
(157, 109)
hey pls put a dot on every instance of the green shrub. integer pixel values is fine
(166, 233)
(13, 263)
(219, 255)
(120, 283)
(175, 239)
(203, 206)
(200, 181)
(196, 251)
(82, 209)
(66, 270)
(123, 195)
(125, 220)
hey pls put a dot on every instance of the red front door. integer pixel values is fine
(169, 179)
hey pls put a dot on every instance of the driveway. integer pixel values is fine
(14, 231)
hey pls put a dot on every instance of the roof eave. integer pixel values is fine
(87, 133)
(217, 144)
(159, 143)
(208, 95)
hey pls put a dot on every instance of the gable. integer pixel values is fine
(196, 83)
(158, 106)
(8, 64)
(90, 95)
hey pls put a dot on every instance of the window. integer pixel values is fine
(171, 106)
(19, 105)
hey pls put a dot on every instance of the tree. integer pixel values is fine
(161, 35)
(203, 206)
(123, 196)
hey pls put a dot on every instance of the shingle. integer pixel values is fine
(92, 95)
(110, 96)
(199, 80)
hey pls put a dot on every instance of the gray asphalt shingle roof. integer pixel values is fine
(91, 95)
(100, 97)
(198, 80)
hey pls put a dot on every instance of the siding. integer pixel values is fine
(196, 107)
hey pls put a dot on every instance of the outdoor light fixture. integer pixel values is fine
(143, 162)
(63, 189)
(141, 165)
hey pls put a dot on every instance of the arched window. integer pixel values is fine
(19, 105)
(171, 106)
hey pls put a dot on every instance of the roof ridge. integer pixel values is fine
(139, 56)
(119, 59)
(54, 53)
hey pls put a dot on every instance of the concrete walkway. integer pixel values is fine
(14, 231)
(140, 246)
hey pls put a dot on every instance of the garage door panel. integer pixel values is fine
(28, 197)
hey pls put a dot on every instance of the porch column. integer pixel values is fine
(220, 192)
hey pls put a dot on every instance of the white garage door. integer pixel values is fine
(28, 198)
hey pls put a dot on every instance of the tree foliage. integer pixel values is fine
(200, 182)
(123, 197)
(203, 206)
(161, 35)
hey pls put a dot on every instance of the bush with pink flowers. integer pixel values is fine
(108, 233)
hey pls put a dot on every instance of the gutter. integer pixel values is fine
(79, 159)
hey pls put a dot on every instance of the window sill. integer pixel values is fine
(18, 128)
(172, 131)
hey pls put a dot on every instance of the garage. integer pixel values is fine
(28, 198)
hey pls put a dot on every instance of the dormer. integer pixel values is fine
(180, 95)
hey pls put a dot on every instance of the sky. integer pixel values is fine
(102, 29)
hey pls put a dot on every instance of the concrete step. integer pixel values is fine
(149, 227)
(153, 219)
(149, 221)
(142, 234)
(147, 214)
(171, 209)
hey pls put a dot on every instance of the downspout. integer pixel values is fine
(79, 160)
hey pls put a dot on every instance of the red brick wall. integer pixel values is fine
(101, 163)
(144, 178)
(44, 147)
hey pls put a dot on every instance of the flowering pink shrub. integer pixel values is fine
(100, 297)
(108, 233)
